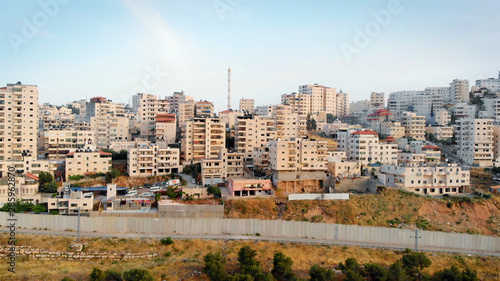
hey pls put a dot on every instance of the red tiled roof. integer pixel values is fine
(430, 147)
(105, 153)
(367, 132)
(31, 176)
(226, 111)
(71, 154)
(90, 173)
(203, 102)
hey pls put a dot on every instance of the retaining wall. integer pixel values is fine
(277, 228)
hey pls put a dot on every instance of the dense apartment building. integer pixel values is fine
(165, 127)
(463, 110)
(265, 110)
(204, 109)
(185, 113)
(492, 84)
(176, 99)
(148, 107)
(87, 161)
(230, 117)
(110, 127)
(253, 132)
(427, 179)
(475, 141)
(459, 91)
(56, 144)
(400, 101)
(414, 125)
(72, 204)
(342, 104)
(289, 123)
(297, 159)
(227, 165)
(365, 148)
(26, 189)
(322, 98)
(202, 138)
(30, 164)
(247, 106)
(18, 120)
(440, 132)
(101, 107)
(442, 117)
(153, 160)
(377, 100)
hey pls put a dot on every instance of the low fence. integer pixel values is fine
(276, 228)
(319, 196)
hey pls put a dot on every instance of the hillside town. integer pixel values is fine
(315, 141)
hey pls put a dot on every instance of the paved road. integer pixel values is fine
(259, 238)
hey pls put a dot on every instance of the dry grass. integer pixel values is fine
(391, 208)
(186, 259)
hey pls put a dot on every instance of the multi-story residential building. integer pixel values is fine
(393, 129)
(30, 164)
(25, 189)
(362, 107)
(186, 113)
(110, 127)
(56, 144)
(265, 110)
(165, 127)
(153, 160)
(72, 204)
(322, 98)
(247, 106)
(442, 117)
(343, 169)
(226, 166)
(18, 120)
(148, 107)
(463, 110)
(401, 101)
(342, 104)
(202, 138)
(376, 119)
(300, 103)
(177, 99)
(459, 91)
(261, 157)
(230, 117)
(87, 161)
(101, 107)
(414, 125)
(496, 145)
(475, 141)
(438, 96)
(377, 100)
(204, 109)
(365, 148)
(297, 159)
(428, 179)
(440, 132)
(127, 145)
(253, 132)
(492, 84)
(289, 123)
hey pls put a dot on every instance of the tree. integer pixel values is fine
(246, 256)
(375, 272)
(352, 275)
(282, 269)
(97, 275)
(67, 279)
(39, 209)
(215, 191)
(310, 123)
(397, 272)
(115, 173)
(351, 264)
(44, 178)
(319, 273)
(240, 277)
(111, 275)
(330, 118)
(452, 273)
(414, 263)
(109, 177)
(137, 274)
(50, 187)
(214, 267)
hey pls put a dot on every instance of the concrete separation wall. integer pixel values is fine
(319, 196)
(191, 211)
(270, 228)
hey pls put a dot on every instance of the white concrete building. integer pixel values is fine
(253, 132)
(459, 90)
(153, 161)
(414, 125)
(492, 84)
(202, 138)
(226, 166)
(475, 141)
(365, 148)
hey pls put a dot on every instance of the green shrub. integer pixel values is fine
(167, 241)
(449, 204)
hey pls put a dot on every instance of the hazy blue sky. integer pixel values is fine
(79, 49)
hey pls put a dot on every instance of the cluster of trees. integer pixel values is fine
(310, 123)
(46, 183)
(121, 155)
(23, 207)
(134, 274)
(194, 170)
(409, 267)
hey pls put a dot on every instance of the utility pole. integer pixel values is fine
(78, 237)
(416, 239)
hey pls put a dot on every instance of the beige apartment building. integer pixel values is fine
(148, 106)
(226, 166)
(289, 123)
(30, 164)
(110, 127)
(26, 189)
(344, 169)
(186, 113)
(300, 103)
(153, 161)
(342, 104)
(265, 110)
(230, 117)
(176, 99)
(442, 117)
(440, 132)
(459, 90)
(70, 205)
(425, 179)
(18, 121)
(204, 109)
(100, 107)
(414, 125)
(377, 100)
(202, 138)
(475, 141)
(322, 98)
(87, 161)
(247, 105)
(56, 144)
(165, 127)
(365, 148)
(253, 132)
(393, 129)
(297, 159)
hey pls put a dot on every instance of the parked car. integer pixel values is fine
(148, 194)
(193, 181)
(131, 193)
(147, 185)
(155, 188)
